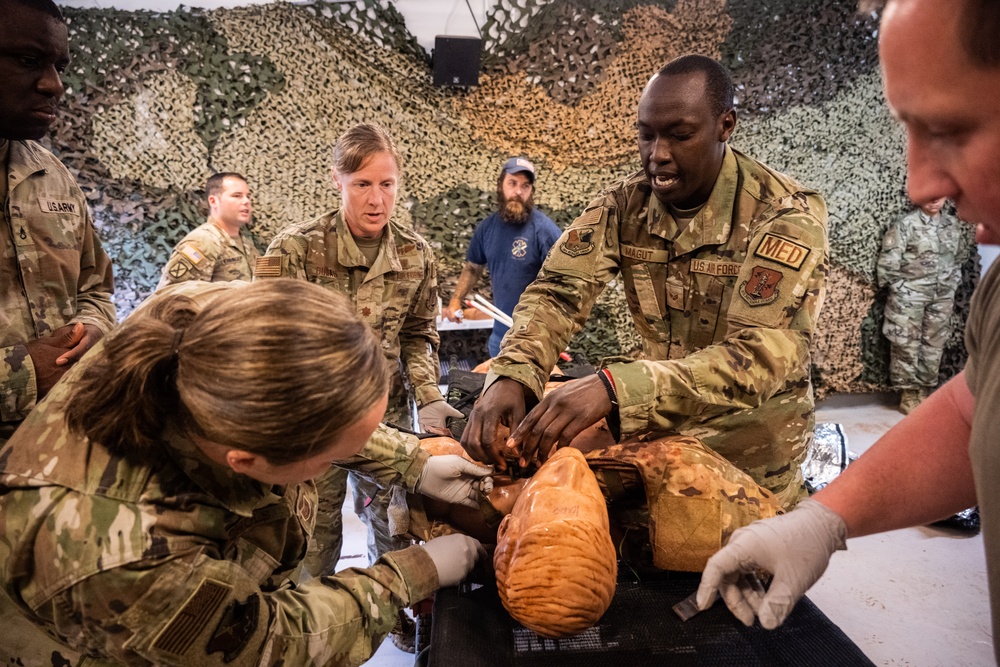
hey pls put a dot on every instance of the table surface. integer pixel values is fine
(448, 325)
(470, 627)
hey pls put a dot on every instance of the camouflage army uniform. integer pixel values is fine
(397, 297)
(725, 307)
(179, 561)
(919, 265)
(209, 253)
(53, 270)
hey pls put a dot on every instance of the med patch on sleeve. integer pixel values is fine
(783, 251)
(775, 276)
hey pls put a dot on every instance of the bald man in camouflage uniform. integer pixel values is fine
(920, 266)
(55, 278)
(724, 263)
(220, 249)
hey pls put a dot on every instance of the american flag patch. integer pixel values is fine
(268, 266)
(190, 621)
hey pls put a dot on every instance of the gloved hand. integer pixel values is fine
(454, 557)
(432, 417)
(454, 480)
(795, 547)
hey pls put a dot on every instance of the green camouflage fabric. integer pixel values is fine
(726, 308)
(178, 561)
(920, 265)
(53, 270)
(209, 253)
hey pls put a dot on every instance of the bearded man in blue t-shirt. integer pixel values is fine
(512, 243)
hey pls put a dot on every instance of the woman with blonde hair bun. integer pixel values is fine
(154, 508)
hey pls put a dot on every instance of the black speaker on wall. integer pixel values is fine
(456, 60)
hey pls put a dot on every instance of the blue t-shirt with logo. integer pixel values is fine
(513, 254)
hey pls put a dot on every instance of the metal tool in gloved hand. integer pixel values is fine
(796, 547)
(688, 607)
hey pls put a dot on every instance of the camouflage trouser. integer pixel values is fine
(371, 504)
(917, 326)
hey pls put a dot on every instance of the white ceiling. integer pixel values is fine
(424, 18)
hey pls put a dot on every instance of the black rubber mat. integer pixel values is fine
(471, 628)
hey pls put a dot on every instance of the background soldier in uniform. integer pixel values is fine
(724, 264)
(220, 249)
(155, 507)
(920, 266)
(55, 279)
(389, 273)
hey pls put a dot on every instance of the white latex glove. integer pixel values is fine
(454, 480)
(432, 417)
(795, 547)
(454, 557)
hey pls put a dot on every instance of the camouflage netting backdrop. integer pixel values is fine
(157, 102)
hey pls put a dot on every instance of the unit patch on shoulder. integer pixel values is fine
(179, 269)
(762, 288)
(268, 266)
(235, 628)
(190, 621)
(578, 242)
(783, 251)
(192, 253)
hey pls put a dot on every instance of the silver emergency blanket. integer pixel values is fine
(828, 456)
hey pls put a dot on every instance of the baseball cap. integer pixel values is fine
(516, 165)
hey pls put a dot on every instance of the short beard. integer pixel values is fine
(516, 211)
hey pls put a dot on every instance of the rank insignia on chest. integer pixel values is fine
(762, 288)
(304, 507)
(578, 242)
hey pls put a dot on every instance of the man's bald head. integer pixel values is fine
(978, 27)
(47, 7)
